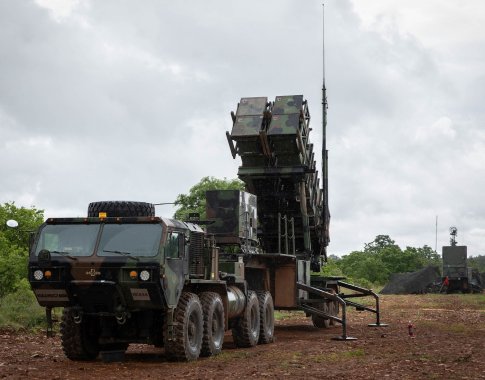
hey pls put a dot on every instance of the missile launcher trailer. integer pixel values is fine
(125, 276)
(278, 166)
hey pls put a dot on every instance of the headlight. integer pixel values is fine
(144, 275)
(38, 275)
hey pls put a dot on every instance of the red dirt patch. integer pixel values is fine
(448, 343)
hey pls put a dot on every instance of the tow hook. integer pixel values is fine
(77, 317)
(121, 318)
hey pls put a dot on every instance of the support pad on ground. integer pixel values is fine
(341, 337)
(377, 325)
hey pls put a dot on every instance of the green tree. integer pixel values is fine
(420, 257)
(29, 219)
(194, 200)
(380, 242)
(331, 267)
(14, 244)
(361, 265)
(382, 257)
(398, 261)
(429, 255)
(477, 262)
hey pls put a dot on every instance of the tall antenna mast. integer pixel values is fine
(325, 211)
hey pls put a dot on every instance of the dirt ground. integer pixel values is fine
(449, 343)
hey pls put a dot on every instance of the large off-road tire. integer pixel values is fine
(187, 330)
(213, 336)
(246, 330)
(121, 208)
(319, 321)
(266, 317)
(79, 341)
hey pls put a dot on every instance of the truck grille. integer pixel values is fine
(196, 254)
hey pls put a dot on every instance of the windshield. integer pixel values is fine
(71, 239)
(130, 239)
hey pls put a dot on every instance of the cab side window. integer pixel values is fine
(174, 246)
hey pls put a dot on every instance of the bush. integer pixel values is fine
(331, 268)
(20, 310)
(194, 200)
(363, 282)
(13, 267)
(382, 257)
(14, 244)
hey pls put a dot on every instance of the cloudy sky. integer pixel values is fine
(112, 100)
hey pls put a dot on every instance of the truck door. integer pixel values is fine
(175, 268)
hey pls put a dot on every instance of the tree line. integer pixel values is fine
(382, 257)
(379, 259)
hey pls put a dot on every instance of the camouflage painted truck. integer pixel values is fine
(124, 275)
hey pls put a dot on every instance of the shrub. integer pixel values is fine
(20, 310)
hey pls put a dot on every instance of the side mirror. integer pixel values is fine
(12, 223)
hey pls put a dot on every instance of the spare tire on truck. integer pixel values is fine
(121, 209)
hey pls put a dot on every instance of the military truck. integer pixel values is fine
(457, 275)
(124, 275)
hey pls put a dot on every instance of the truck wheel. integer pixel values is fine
(213, 336)
(186, 341)
(266, 317)
(79, 341)
(121, 209)
(319, 321)
(246, 331)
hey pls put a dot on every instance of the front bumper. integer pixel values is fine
(108, 292)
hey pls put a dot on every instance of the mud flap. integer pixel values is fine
(169, 324)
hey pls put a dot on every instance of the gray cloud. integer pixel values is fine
(117, 100)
